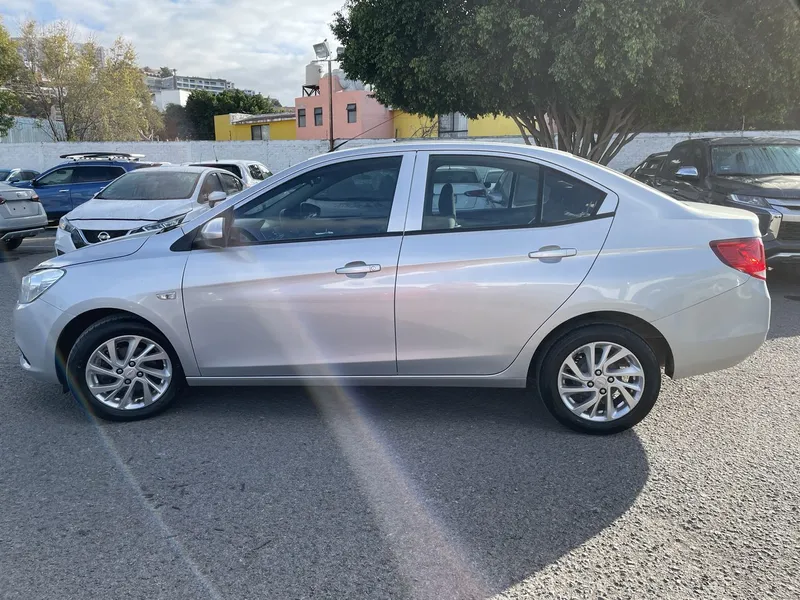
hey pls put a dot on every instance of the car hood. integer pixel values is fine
(116, 248)
(130, 210)
(769, 186)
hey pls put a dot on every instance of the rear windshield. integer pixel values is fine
(151, 185)
(452, 176)
(780, 159)
(229, 168)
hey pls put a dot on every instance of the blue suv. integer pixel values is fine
(76, 181)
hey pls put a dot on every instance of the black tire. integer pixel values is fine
(574, 340)
(11, 244)
(102, 331)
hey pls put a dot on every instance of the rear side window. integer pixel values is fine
(526, 194)
(225, 167)
(230, 184)
(255, 172)
(91, 174)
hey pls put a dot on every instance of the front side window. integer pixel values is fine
(352, 198)
(301, 117)
(57, 177)
(778, 159)
(351, 113)
(679, 156)
(318, 116)
(525, 194)
(230, 184)
(152, 184)
(210, 184)
(231, 168)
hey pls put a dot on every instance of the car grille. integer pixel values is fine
(91, 235)
(790, 231)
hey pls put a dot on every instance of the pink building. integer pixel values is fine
(355, 114)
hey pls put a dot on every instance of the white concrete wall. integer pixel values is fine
(280, 154)
(276, 154)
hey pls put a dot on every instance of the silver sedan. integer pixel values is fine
(356, 268)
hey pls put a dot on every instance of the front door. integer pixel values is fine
(474, 285)
(53, 189)
(306, 283)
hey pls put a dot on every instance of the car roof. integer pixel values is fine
(657, 155)
(748, 141)
(226, 161)
(182, 169)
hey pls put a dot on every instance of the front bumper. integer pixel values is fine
(64, 242)
(720, 332)
(37, 326)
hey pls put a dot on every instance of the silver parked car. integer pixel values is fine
(338, 271)
(21, 216)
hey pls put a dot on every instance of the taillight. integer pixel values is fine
(743, 254)
(2, 200)
(34, 198)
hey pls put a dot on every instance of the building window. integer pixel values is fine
(351, 113)
(453, 125)
(301, 117)
(259, 132)
(318, 116)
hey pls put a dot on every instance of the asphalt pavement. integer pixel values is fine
(403, 493)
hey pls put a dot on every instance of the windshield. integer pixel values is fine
(152, 185)
(780, 159)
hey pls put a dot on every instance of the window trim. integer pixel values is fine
(607, 208)
(352, 108)
(301, 117)
(253, 129)
(318, 112)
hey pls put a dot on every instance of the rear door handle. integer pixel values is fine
(357, 269)
(552, 253)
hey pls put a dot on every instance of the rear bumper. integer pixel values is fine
(782, 251)
(22, 233)
(720, 332)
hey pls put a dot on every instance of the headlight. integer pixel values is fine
(750, 200)
(161, 225)
(65, 225)
(37, 283)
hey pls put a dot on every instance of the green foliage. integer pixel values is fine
(176, 124)
(582, 75)
(9, 67)
(96, 99)
(202, 106)
(165, 72)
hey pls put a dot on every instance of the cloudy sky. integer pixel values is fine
(258, 44)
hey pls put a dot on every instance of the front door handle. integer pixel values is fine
(357, 269)
(552, 253)
(675, 190)
(62, 191)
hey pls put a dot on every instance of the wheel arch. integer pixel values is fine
(635, 324)
(73, 330)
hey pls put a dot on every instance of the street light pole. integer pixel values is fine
(330, 105)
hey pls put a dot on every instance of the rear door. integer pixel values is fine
(470, 294)
(87, 180)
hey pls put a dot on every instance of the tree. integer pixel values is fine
(165, 72)
(176, 124)
(9, 67)
(202, 106)
(95, 98)
(584, 76)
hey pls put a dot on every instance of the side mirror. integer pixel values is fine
(487, 185)
(212, 234)
(688, 173)
(14, 179)
(34, 183)
(215, 197)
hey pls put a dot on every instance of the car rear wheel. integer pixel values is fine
(600, 379)
(11, 244)
(123, 369)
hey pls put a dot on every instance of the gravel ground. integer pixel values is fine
(403, 493)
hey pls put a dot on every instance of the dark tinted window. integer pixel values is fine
(151, 185)
(96, 173)
(57, 177)
(568, 199)
(28, 175)
(230, 184)
(678, 157)
(210, 184)
(255, 172)
(301, 117)
(352, 198)
(318, 116)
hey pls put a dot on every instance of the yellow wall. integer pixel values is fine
(489, 126)
(224, 131)
(413, 126)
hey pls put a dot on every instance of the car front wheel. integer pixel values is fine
(11, 244)
(123, 369)
(600, 379)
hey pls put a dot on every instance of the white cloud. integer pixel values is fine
(258, 45)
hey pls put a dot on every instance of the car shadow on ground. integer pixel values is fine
(436, 493)
(784, 288)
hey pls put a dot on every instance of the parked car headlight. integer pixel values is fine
(750, 200)
(161, 225)
(37, 283)
(65, 225)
